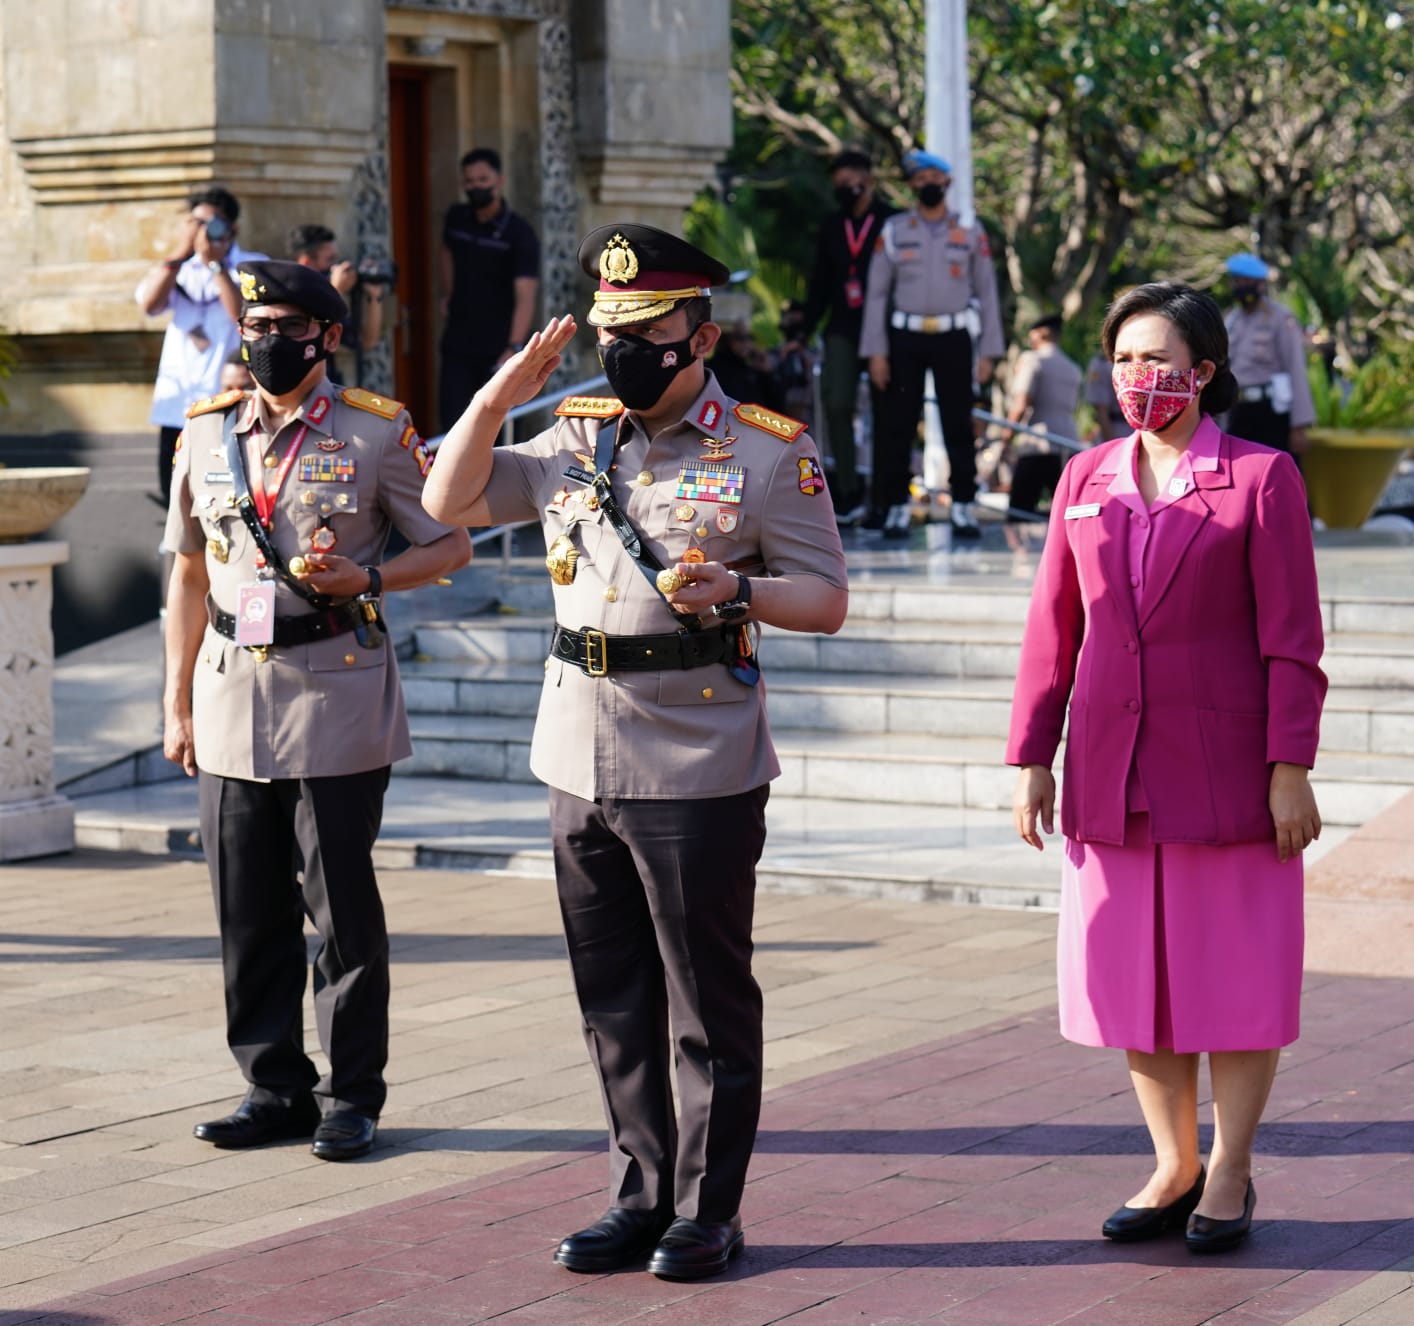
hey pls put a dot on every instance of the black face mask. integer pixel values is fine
(847, 195)
(1247, 295)
(480, 198)
(930, 195)
(640, 371)
(280, 364)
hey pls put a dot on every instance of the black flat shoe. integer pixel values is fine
(1133, 1224)
(255, 1123)
(344, 1135)
(618, 1238)
(1208, 1235)
(694, 1249)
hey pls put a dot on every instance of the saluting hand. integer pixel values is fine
(523, 376)
(1035, 796)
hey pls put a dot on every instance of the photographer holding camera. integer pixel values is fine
(363, 286)
(195, 284)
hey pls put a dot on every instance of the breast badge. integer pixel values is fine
(700, 482)
(327, 469)
(561, 561)
(726, 520)
(812, 482)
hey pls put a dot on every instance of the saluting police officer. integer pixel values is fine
(282, 698)
(931, 304)
(652, 729)
(1268, 356)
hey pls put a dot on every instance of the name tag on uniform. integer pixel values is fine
(579, 474)
(217, 476)
(1080, 512)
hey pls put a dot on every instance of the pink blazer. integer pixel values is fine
(1208, 681)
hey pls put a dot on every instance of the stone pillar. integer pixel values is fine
(34, 819)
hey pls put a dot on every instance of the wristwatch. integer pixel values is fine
(733, 610)
(215, 265)
(375, 583)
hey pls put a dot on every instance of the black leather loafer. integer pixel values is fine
(344, 1135)
(257, 1122)
(618, 1238)
(1207, 1235)
(694, 1249)
(1133, 1224)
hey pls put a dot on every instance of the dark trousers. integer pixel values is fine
(657, 899)
(461, 377)
(911, 355)
(1258, 422)
(1033, 476)
(166, 454)
(257, 836)
(839, 391)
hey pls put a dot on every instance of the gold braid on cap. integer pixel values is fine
(648, 296)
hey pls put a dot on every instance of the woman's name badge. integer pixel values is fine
(1080, 512)
(255, 613)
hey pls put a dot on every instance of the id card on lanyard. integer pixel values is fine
(853, 286)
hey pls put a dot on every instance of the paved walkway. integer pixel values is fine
(930, 1148)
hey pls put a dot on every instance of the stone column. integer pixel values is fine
(34, 819)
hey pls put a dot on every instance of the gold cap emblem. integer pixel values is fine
(618, 263)
(248, 287)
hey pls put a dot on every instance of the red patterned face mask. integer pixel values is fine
(1150, 396)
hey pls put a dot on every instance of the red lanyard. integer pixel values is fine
(855, 243)
(265, 500)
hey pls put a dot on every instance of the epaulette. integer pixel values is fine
(383, 406)
(782, 426)
(589, 407)
(220, 402)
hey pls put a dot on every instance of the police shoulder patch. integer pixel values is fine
(589, 407)
(780, 425)
(221, 402)
(383, 406)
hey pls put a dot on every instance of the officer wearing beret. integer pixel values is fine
(282, 698)
(675, 518)
(1268, 355)
(931, 304)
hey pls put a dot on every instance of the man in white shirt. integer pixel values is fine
(196, 285)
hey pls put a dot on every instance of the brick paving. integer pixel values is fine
(930, 1148)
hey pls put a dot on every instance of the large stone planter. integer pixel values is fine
(1347, 469)
(34, 819)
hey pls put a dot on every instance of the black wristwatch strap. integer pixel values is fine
(375, 583)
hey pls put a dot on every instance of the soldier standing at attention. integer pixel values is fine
(676, 519)
(931, 303)
(1274, 405)
(282, 698)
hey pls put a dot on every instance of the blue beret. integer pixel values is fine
(920, 160)
(1248, 265)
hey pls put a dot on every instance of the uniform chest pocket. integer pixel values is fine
(700, 686)
(907, 252)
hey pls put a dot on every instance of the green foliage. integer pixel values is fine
(1379, 394)
(8, 357)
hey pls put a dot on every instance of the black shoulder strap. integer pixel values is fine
(632, 541)
(245, 506)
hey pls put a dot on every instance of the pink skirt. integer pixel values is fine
(1179, 946)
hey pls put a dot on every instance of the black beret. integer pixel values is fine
(275, 281)
(1051, 322)
(644, 273)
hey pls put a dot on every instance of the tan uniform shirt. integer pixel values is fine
(681, 733)
(331, 707)
(1049, 381)
(1267, 341)
(927, 268)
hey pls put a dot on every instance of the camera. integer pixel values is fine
(218, 229)
(378, 271)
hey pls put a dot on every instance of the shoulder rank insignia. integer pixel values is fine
(221, 402)
(782, 426)
(589, 407)
(383, 406)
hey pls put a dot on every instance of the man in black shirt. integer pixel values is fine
(490, 274)
(837, 287)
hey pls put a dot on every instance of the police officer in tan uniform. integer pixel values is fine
(652, 730)
(1268, 355)
(931, 304)
(1045, 389)
(282, 698)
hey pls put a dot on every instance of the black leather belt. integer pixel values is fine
(296, 630)
(597, 654)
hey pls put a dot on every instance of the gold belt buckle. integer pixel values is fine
(932, 324)
(259, 652)
(596, 640)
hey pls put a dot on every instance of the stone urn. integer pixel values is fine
(34, 819)
(1346, 470)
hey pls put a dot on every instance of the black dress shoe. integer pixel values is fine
(257, 1122)
(694, 1249)
(1208, 1235)
(620, 1236)
(344, 1135)
(1133, 1224)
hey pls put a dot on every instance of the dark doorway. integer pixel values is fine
(414, 242)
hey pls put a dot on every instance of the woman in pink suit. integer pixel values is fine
(1175, 609)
